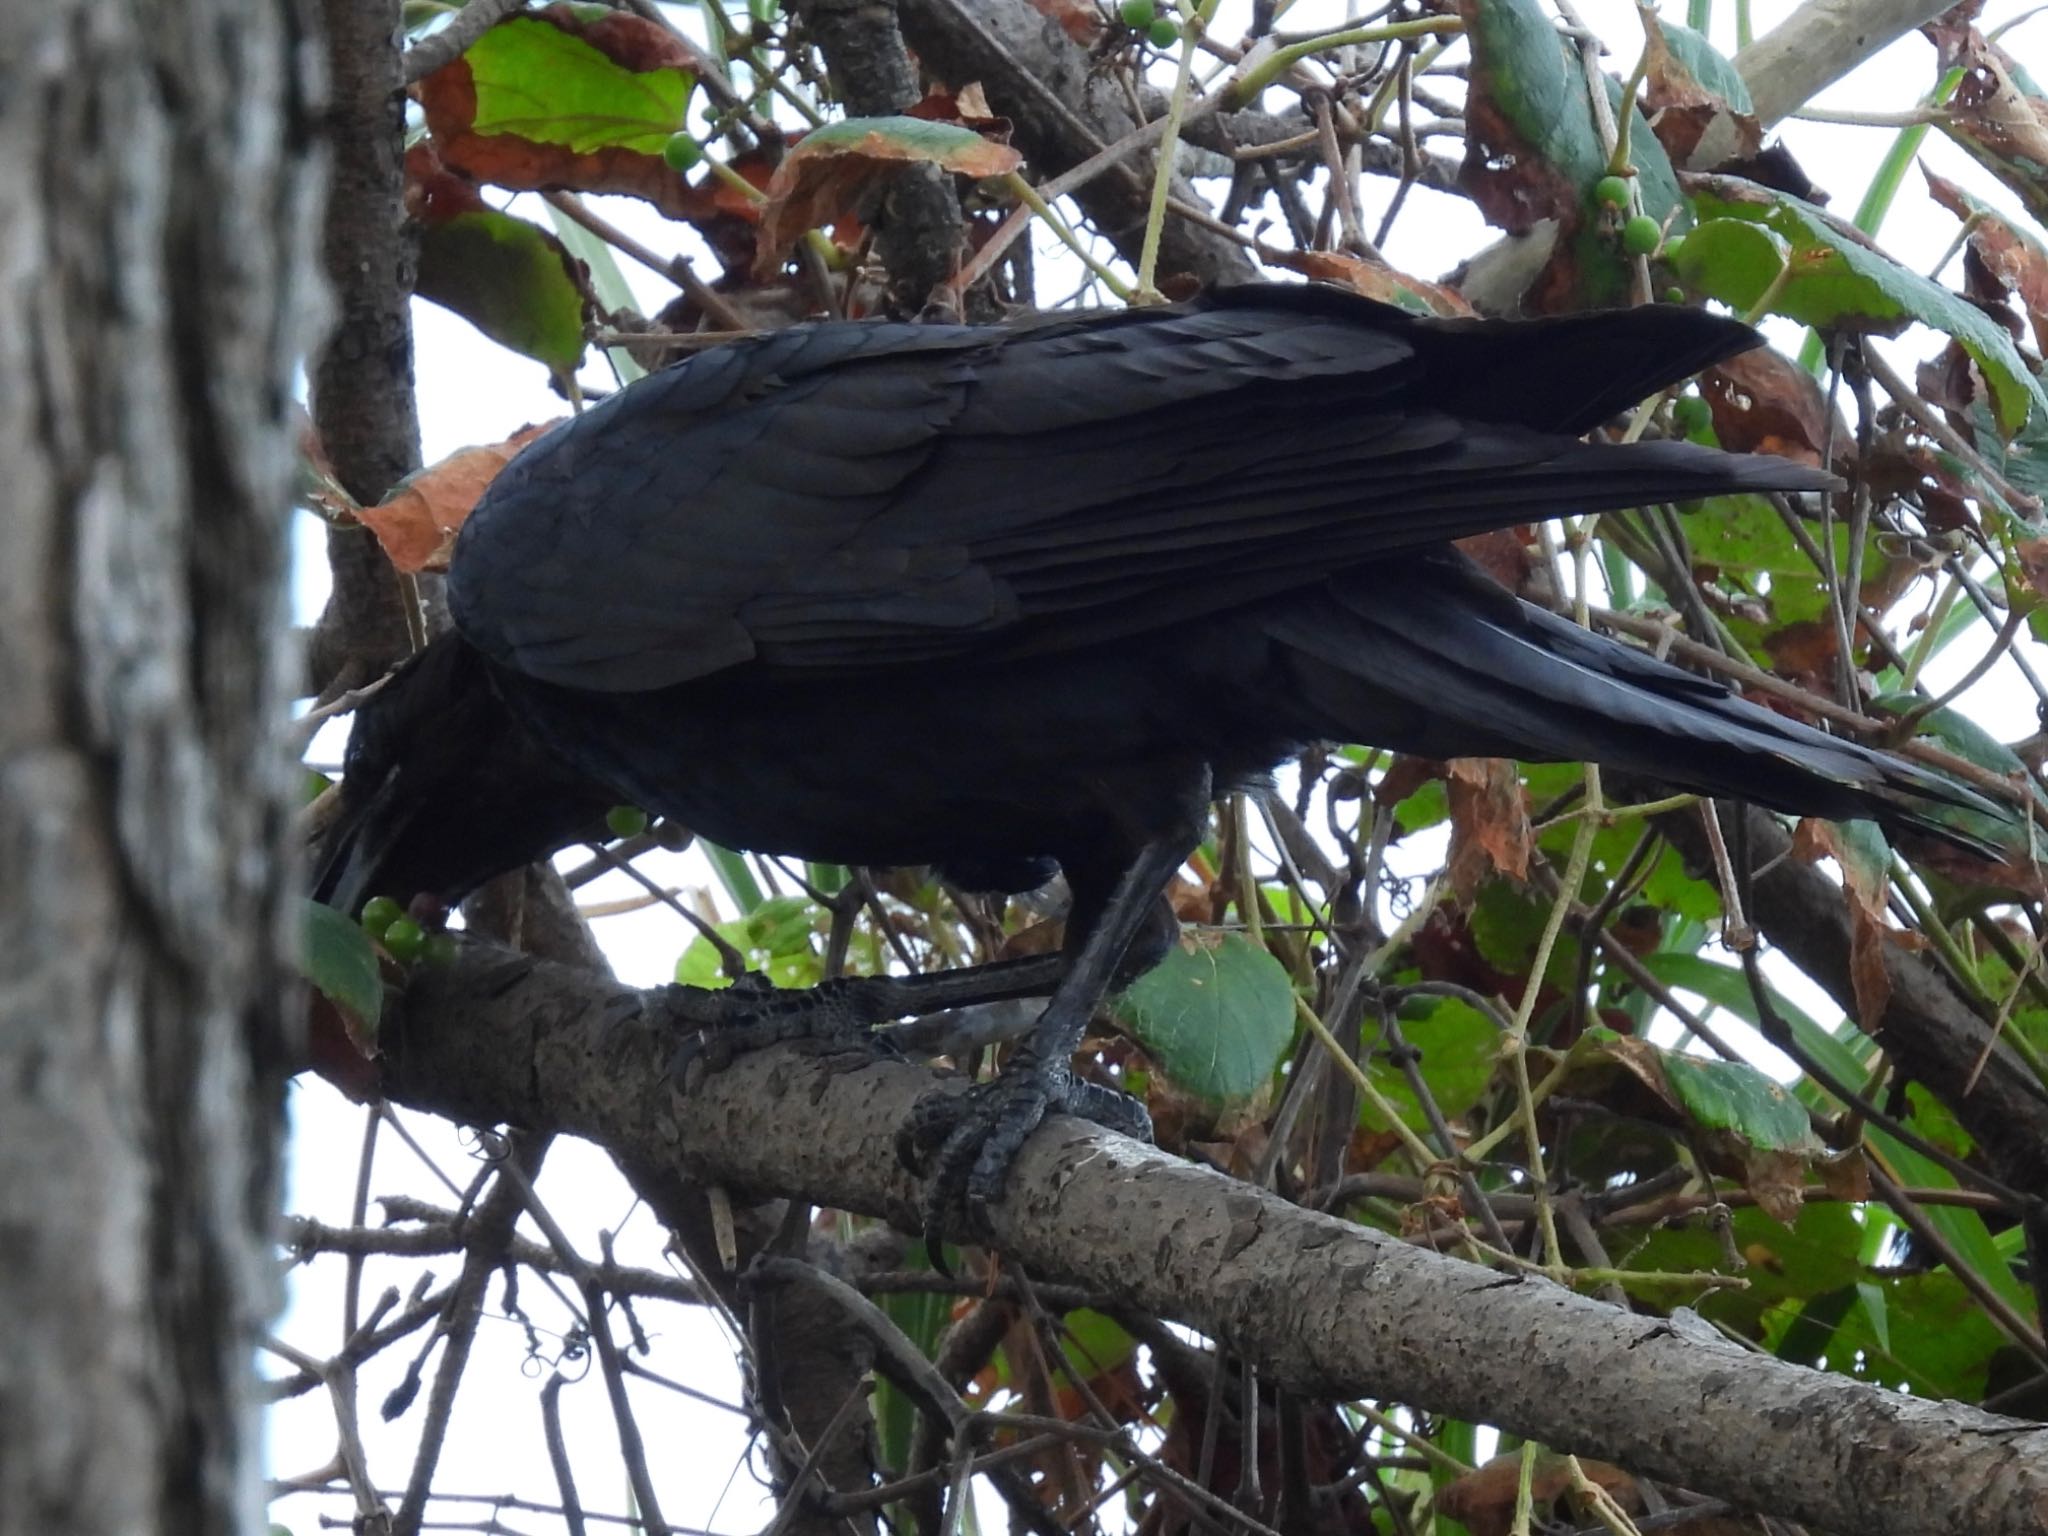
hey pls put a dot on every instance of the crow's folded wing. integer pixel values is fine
(855, 496)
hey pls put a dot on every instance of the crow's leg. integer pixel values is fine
(839, 1015)
(966, 1142)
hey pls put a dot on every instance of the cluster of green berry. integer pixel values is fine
(402, 936)
(1641, 235)
(1143, 18)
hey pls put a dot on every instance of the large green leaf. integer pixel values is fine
(1458, 1048)
(1215, 1015)
(337, 957)
(1534, 150)
(539, 81)
(1748, 234)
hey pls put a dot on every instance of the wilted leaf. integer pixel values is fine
(1533, 152)
(1688, 86)
(1997, 114)
(549, 99)
(1489, 823)
(1763, 402)
(1081, 21)
(1374, 279)
(1860, 849)
(2009, 256)
(1837, 280)
(1215, 1015)
(1746, 1123)
(417, 526)
(511, 279)
(825, 176)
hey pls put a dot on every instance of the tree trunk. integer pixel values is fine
(158, 185)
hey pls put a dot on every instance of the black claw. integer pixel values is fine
(964, 1144)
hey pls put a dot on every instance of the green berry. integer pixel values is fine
(440, 949)
(379, 913)
(1691, 414)
(626, 820)
(1672, 246)
(681, 152)
(1640, 235)
(405, 941)
(1611, 190)
(1138, 15)
(1674, 295)
(1164, 32)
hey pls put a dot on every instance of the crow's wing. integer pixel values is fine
(855, 496)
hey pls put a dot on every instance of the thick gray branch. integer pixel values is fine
(1325, 1307)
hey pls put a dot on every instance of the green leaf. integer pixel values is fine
(1922, 1333)
(1748, 233)
(1733, 1096)
(1813, 1257)
(1707, 65)
(511, 279)
(1216, 1015)
(542, 83)
(775, 939)
(1538, 152)
(1459, 1047)
(1726, 987)
(337, 957)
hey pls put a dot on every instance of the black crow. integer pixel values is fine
(997, 599)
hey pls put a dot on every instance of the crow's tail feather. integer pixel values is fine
(1443, 663)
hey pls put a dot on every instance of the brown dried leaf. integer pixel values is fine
(1681, 109)
(1763, 402)
(1489, 823)
(417, 526)
(1374, 279)
(1864, 882)
(1992, 115)
(2007, 255)
(825, 177)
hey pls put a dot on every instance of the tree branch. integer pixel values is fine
(1320, 1305)
(1065, 110)
(919, 226)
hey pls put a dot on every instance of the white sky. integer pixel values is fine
(471, 391)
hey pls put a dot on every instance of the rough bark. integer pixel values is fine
(1321, 1306)
(157, 170)
(362, 380)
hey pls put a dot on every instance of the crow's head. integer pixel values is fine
(442, 789)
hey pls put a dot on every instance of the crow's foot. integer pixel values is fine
(964, 1143)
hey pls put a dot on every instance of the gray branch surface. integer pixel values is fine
(1821, 42)
(1322, 1306)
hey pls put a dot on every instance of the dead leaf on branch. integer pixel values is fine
(417, 526)
(825, 177)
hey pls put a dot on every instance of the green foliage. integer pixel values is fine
(1215, 1016)
(337, 957)
(545, 84)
